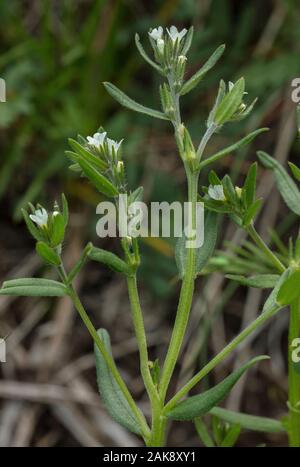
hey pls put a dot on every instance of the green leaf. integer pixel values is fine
(252, 211)
(34, 231)
(199, 75)
(295, 171)
(230, 103)
(219, 98)
(85, 154)
(229, 190)
(188, 41)
(249, 422)
(203, 433)
(231, 436)
(47, 254)
(196, 406)
(112, 396)
(65, 209)
(290, 289)
(109, 259)
(145, 55)
(57, 229)
(233, 147)
(80, 263)
(285, 183)
(33, 287)
(271, 301)
(205, 251)
(249, 187)
(97, 179)
(260, 281)
(126, 101)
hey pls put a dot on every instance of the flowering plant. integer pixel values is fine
(99, 158)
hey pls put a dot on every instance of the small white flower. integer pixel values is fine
(40, 217)
(175, 34)
(160, 45)
(96, 140)
(216, 192)
(113, 145)
(156, 33)
(182, 59)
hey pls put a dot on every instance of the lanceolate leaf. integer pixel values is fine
(196, 406)
(33, 287)
(249, 422)
(231, 102)
(295, 170)
(271, 301)
(210, 239)
(47, 253)
(113, 398)
(197, 77)
(97, 179)
(233, 147)
(188, 41)
(87, 155)
(126, 101)
(261, 281)
(145, 55)
(35, 232)
(290, 289)
(249, 187)
(285, 183)
(110, 259)
(252, 211)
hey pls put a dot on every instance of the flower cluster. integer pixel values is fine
(240, 203)
(48, 229)
(99, 158)
(170, 48)
(102, 143)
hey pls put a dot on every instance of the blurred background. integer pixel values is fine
(54, 56)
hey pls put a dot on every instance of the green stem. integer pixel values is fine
(138, 323)
(218, 358)
(186, 297)
(294, 378)
(108, 359)
(262, 245)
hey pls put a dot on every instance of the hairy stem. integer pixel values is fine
(294, 378)
(185, 300)
(138, 323)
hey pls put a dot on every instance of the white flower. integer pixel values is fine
(160, 45)
(216, 192)
(156, 33)
(40, 217)
(113, 145)
(96, 140)
(175, 34)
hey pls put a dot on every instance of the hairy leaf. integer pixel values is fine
(126, 101)
(199, 75)
(112, 396)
